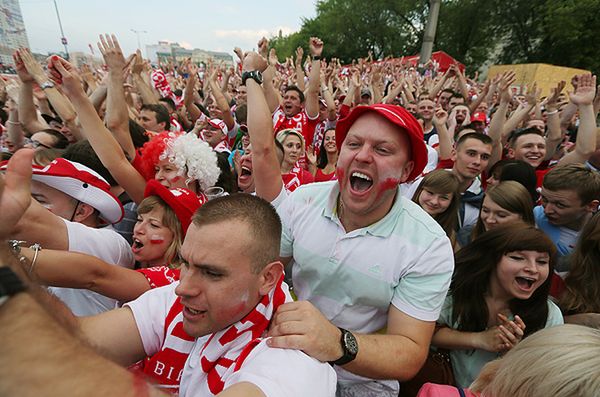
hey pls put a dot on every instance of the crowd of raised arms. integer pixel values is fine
(296, 227)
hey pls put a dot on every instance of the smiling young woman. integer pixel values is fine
(498, 295)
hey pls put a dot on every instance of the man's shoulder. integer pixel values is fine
(313, 192)
(285, 372)
(413, 219)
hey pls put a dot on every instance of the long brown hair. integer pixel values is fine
(513, 197)
(583, 282)
(474, 265)
(443, 182)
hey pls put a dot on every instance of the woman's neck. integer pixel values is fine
(286, 167)
(332, 158)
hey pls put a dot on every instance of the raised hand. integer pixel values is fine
(310, 155)
(585, 91)
(273, 61)
(316, 46)
(238, 51)
(440, 117)
(22, 72)
(138, 63)
(33, 67)
(533, 94)
(15, 194)
(65, 75)
(111, 52)
(299, 55)
(263, 47)
(552, 100)
(506, 81)
(253, 61)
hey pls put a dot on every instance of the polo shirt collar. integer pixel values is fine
(382, 228)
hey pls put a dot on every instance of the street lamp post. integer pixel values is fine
(137, 33)
(429, 35)
(63, 39)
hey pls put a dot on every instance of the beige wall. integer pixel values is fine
(546, 76)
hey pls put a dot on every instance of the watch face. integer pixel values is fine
(350, 343)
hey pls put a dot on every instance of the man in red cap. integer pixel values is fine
(370, 268)
(72, 209)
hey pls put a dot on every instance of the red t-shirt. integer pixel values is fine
(321, 177)
(300, 122)
(296, 177)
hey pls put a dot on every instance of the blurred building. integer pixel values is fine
(12, 30)
(79, 58)
(166, 51)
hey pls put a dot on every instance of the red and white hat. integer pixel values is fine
(398, 116)
(183, 201)
(219, 125)
(479, 116)
(83, 184)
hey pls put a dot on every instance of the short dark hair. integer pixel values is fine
(60, 141)
(577, 177)
(298, 90)
(168, 101)
(263, 223)
(485, 139)
(138, 134)
(82, 152)
(516, 134)
(162, 113)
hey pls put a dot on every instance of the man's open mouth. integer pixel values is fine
(360, 182)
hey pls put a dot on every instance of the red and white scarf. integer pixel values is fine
(226, 350)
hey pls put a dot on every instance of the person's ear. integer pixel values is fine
(269, 277)
(511, 153)
(592, 206)
(83, 212)
(408, 167)
(453, 155)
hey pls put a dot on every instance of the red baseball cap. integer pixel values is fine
(219, 125)
(479, 116)
(182, 201)
(398, 116)
(83, 184)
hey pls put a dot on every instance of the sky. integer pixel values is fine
(209, 25)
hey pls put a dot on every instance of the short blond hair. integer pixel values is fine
(562, 361)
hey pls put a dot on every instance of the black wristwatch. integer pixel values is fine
(349, 346)
(10, 284)
(254, 75)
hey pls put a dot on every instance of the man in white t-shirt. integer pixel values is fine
(373, 266)
(230, 286)
(72, 209)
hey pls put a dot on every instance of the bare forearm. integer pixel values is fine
(554, 134)
(517, 117)
(14, 130)
(271, 94)
(61, 104)
(266, 170)
(108, 150)
(38, 356)
(144, 90)
(117, 114)
(448, 338)
(387, 357)
(498, 121)
(98, 96)
(27, 112)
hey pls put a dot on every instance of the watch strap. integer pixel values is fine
(254, 75)
(10, 283)
(348, 355)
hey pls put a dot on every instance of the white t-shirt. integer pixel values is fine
(104, 243)
(277, 372)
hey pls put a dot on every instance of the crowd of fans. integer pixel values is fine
(414, 213)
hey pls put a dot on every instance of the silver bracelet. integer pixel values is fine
(13, 122)
(551, 112)
(37, 249)
(15, 246)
